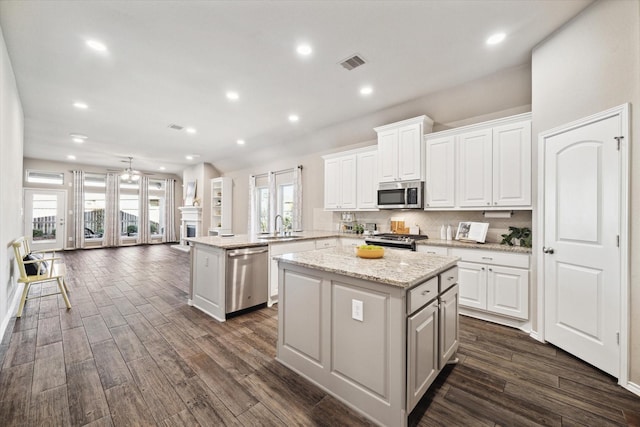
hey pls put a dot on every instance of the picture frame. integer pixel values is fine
(472, 231)
(190, 193)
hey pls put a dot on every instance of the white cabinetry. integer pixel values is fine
(494, 282)
(350, 180)
(441, 161)
(400, 149)
(279, 249)
(486, 165)
(221, 205)
(208, 280)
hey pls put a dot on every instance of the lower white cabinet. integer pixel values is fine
(501, 289)
(449, 325)
(422, 351)
(208, 280)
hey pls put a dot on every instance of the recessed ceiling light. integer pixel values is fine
(293, 118)
(240, 142)
(190, 130)
(78, 140)
(162, 168)
(496, 38)
(366, 90)
(80, 105)
(304, 49)
(233, 96)
(96, 45)
(188, 157)
(71, 157)
(78, 135)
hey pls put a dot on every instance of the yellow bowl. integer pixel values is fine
(369, 252)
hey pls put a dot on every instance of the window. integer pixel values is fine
(129, 209)
(262, 203)
(44, 177)
(156, 207)
(94, 203)
(285, 204)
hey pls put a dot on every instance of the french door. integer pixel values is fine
(44, 218)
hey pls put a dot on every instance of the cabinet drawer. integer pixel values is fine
(437, 250)
(326, 243)
(448, 279)
(422, 294)
(491, 257)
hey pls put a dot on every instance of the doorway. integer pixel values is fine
(584, 217)
(44, 218)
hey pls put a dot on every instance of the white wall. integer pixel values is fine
(11, 143)
(590, 65)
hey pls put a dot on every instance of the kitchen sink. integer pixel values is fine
(277, 237)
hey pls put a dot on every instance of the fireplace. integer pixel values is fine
(191, 223)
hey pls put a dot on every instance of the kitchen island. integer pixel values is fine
(374, 333)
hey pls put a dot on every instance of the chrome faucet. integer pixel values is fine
(275, 223)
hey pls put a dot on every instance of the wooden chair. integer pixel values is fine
(48, 268)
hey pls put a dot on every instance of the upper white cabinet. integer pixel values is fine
(340, 182)
(400, 149)
(221, 203)
(350, 180)
(487, 165)
(441, 167)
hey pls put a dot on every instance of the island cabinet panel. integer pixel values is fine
(360, 346)
(449, 325)
(207, 281)
(422, 352)
(302, 315)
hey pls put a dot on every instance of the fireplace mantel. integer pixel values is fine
(190, 216)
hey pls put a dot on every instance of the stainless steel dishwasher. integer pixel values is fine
(247, 277)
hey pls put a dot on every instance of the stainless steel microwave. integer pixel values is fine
(400, 195)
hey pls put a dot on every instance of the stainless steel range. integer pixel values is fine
(400, 241)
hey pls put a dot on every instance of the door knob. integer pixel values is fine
(547, 250)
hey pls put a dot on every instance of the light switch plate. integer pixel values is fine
(357, 310)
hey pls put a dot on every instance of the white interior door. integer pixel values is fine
(44, 219)
(581, 247)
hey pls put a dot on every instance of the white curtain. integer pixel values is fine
(111, 235)
(78, 208)
(144, 235)
(169, 234)
(252, 227)
(296, 221)
(273, 201)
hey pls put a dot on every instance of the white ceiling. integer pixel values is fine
(173, 61)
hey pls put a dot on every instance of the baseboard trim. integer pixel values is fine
(633, 388)
(10, 313)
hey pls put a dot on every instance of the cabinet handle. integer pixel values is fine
(486, 257)
(491, 269)
(482, 269)
(425, 292)
(450, 278)
(488, 203)
(495, 203)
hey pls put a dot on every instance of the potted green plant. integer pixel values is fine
(518, 235)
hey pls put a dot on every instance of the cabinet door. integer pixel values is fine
(449, 325)
(508, 291)
(472, 279)
(388, 155)
(367, 180)
(422, 352)
(475, 175)
(440, 173)
(208, 292)
(512, 164)
(347, 182)
(410, 152)
(331, 179)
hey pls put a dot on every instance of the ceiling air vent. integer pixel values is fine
(352, 62)
(175, 126)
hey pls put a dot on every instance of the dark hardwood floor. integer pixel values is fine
(131, 352)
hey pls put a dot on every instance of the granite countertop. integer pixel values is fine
(470, 245)
(398, 267)
(247, 241)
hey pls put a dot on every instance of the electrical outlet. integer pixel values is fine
(357, 310)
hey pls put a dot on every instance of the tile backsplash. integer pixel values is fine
(429, 222)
